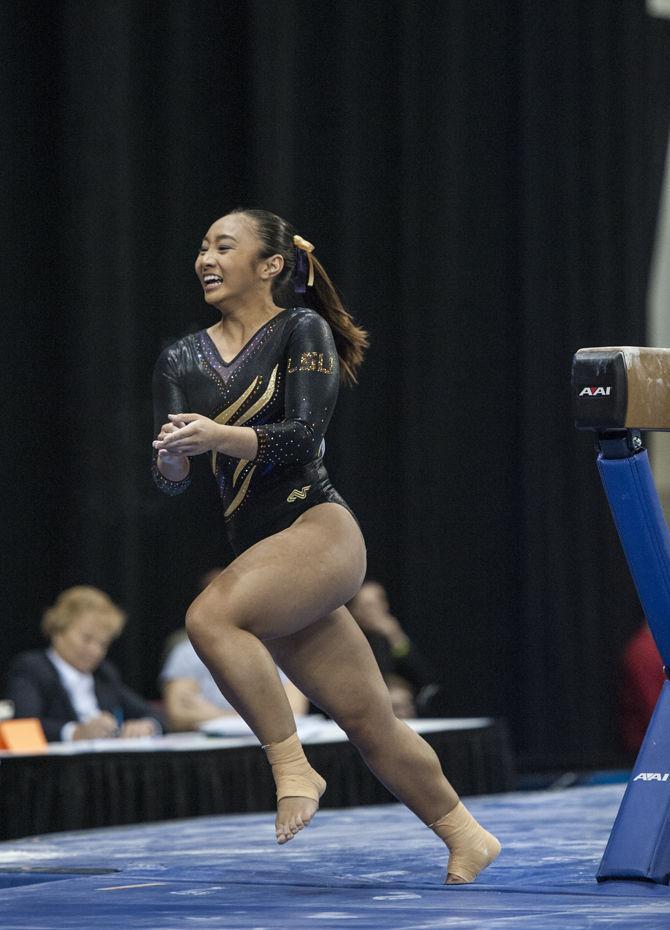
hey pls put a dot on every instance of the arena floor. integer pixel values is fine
(373, 867)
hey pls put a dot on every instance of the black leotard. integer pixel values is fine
(283, 384)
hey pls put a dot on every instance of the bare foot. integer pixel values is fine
(299, 787)
(293, 814)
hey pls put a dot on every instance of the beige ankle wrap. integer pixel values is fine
(472, 847)
(294, 776)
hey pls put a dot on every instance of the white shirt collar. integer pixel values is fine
(80, 687)
(69, 675)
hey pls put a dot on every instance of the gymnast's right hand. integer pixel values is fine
(170, 458)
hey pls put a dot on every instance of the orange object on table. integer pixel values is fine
(22, 735)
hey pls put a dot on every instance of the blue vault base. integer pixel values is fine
(639, 845)
(365, 868)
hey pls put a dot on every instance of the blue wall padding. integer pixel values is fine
(639, 844)
(630, 489)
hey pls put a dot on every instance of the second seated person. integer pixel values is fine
(70, 687)
(191, 697)
(409, 678)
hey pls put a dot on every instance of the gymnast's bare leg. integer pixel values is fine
(332, 663)
(279, 586)
(281, 599)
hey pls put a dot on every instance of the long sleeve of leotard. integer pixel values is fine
(169, 397)
(312, 378)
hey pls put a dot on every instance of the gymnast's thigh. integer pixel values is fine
(292, 578)
(332, 663)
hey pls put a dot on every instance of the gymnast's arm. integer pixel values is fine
(170, 470)
(312, 379)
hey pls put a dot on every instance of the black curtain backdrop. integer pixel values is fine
(480, 178)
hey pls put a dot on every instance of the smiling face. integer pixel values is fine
(228, 264)
(84, 641)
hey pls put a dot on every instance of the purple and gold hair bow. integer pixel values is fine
(304, 267)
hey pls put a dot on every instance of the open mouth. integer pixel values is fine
(211, 281)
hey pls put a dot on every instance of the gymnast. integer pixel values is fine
(256, 391)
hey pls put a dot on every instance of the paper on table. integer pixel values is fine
(235, 726)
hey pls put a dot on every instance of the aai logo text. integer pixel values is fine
(595, 392)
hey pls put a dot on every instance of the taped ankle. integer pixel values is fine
(294, 776)
(471, 847)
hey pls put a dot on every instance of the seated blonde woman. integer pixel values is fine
(70, 687)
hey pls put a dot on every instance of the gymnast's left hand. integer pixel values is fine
(194, 434)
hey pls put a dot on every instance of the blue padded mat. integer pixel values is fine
(375, 867)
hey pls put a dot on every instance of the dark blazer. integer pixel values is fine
(35, 687)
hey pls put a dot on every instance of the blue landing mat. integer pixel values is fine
(372, 868)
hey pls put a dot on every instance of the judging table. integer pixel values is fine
(96, 783)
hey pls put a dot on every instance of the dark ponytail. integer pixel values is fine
(276, 237)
